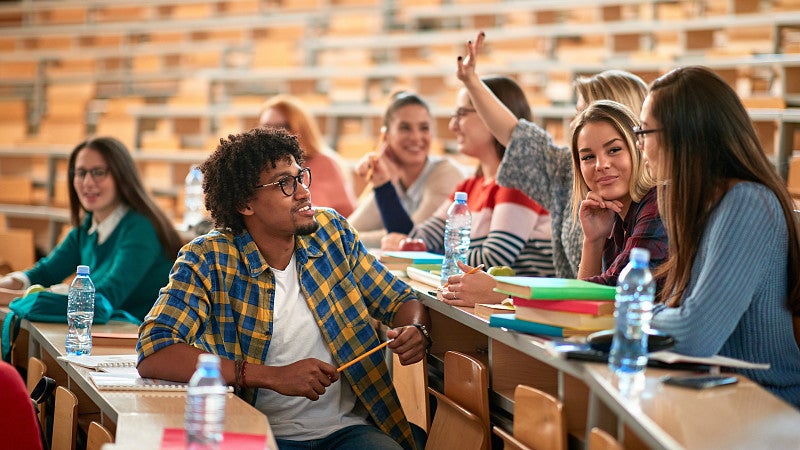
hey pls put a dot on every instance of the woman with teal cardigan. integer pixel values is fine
(118, 231)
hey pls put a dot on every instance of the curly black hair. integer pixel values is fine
(231, 173)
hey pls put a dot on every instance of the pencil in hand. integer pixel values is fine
(471, 271)
(345, 366)
(372, 161)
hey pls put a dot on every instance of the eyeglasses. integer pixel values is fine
(640, 134)
(97, 173)
(461, 112)
(304, 178)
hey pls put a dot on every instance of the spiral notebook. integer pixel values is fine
(101, 362)
(129, 381)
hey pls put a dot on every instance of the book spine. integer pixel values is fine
(512, 323)
(593, 307)
(571, 320)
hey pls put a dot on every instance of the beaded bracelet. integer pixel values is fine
(237, 368)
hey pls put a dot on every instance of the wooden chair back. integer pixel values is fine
(466, 382)
(410, 383)
(17, 248)
(462, 412)
(65, 420)
(36, 370)
(97, 436)
(539, 421)
(455, 427)
(600, 440)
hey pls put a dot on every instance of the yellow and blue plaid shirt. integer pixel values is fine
(220, 298)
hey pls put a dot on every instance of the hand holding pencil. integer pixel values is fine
(363, 355)
(471, 287)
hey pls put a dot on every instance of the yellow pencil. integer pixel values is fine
(471, 271)
(374, 158)
(364, 355)
(372, 161)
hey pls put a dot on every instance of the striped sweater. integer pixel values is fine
(508, 229)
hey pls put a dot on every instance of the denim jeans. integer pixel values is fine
(357, 437)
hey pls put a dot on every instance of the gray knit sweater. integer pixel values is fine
(735, 303)
(534, 164)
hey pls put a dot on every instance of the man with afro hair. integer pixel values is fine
(285, 293)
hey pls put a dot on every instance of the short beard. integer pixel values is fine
(307, 229)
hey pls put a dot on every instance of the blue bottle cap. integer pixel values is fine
(640, 255)
(461, 196)
(83, 270)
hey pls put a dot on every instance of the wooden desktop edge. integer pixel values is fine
(604, 398)
(46, 338)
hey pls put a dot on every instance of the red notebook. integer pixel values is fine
(594, 307)
(175, 439)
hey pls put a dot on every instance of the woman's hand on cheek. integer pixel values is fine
(597, 216)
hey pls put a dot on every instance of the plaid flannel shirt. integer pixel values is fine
(220, 298)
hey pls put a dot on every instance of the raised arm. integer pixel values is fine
(500, 120)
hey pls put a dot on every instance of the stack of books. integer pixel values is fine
(399, 260)
(559, 307)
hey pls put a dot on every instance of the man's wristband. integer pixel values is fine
(424, 330)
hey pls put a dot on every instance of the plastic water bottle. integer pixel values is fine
(456, 236)
(205, 405)
(80, 313)
(634, 312)
(193, 210)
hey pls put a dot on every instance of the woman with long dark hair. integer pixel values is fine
(118, 231)
(733, 272)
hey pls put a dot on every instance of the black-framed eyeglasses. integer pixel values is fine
(640, 134)
(461, 112)
(288, 184)
(97, 173)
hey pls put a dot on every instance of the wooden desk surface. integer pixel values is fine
(141, 416)
(740, 416)
(743, 416)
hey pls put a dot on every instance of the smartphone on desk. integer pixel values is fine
(700, 381)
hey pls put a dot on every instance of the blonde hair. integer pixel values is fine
(299, 122)
(622, 119)
(617, 85)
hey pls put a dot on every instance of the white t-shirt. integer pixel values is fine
(296, 336)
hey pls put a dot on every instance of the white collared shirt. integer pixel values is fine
(103, 230)
(107, 226)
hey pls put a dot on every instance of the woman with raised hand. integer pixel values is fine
(508, 227)
(733, 274)
(403, 168)
(333, 186)
(533, 163)
(117, 230)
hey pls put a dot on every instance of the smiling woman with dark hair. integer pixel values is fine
(402, 167)
(733, 273)
(118, 231)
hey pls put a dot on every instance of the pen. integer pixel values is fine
(341, 368)
(471, 271)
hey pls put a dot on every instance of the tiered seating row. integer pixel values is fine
(175, 75)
